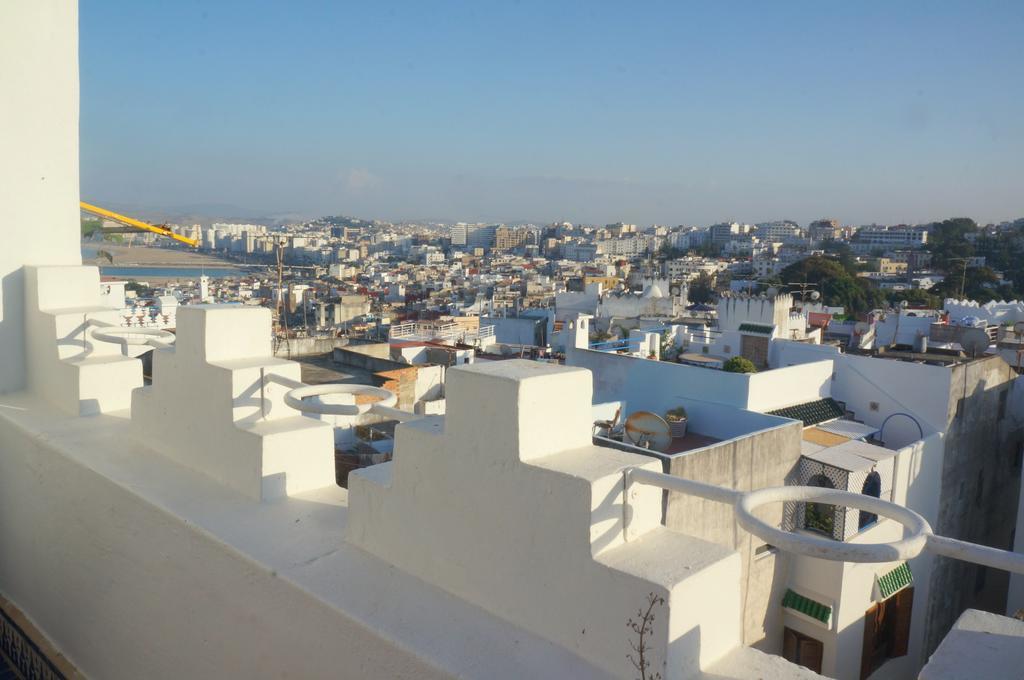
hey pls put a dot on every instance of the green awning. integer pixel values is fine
(897, 579)
(756, 328)
(812, 412)
(807, 606)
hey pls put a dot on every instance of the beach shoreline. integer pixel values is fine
(148, 256)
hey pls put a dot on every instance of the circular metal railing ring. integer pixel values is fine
(826, 548)
(127, 337)
(297, 397)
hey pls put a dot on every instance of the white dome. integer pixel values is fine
(654, 291)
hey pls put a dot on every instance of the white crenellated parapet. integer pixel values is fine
(575, 333)
(993, 312)
(66, 365)
(506, 503)
(214, 406)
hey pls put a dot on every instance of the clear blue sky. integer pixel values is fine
(665, 112)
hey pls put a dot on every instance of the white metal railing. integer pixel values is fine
(299, 398)
(126, 337)
(920, 536)
(444, 332)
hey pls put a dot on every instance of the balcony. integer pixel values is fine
(854, 466)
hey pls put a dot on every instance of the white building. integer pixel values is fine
(633, 246)
(194, 527)
(687, 269)
(868, 239)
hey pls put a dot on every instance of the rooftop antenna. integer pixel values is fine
(282, 317)
(804, 289)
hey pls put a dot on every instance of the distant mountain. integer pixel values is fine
(204, 213)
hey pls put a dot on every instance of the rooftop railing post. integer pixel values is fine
(920, 536)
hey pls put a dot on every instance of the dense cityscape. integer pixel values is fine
(241, 441)
(346, 275)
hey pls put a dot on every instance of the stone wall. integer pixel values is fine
(979, 490)
(764, 459)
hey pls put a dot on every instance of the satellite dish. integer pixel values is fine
(1018, 328)
(648, 431)
(772, 293)
(861, 327)
(974, 341)
(815, 295)
(675, 291)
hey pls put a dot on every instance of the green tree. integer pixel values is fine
(948, 241)
(90, 226)
(837, 285)
(842, 252)
(739, 365)
(701, 291)
(977, 283)
(916, 297)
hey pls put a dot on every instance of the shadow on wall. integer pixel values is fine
(611, 513)
(12, 329)
(685, 651)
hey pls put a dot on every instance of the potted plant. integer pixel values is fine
(676, 419)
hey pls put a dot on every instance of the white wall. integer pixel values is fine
(901, 329)
(654, 383)
(798, 384)
(135, 567)
(39, 162)
(896, 386)
(467, 504)
(783, 353)
(429, 383)
(993, 312)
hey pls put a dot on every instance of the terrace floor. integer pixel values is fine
(691, 441)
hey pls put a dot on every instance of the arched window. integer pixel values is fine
(872, 487)
(820, 516)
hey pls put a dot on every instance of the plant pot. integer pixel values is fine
(677, 428)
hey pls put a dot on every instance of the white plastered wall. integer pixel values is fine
(211, 408)
(505, 503)
(38, 157)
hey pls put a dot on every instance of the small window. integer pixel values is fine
(820, 517)
(872, 487)
(873, 405)
(728, 349)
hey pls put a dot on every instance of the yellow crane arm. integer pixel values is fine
(131, 222)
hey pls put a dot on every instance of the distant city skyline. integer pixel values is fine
(537, 112)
